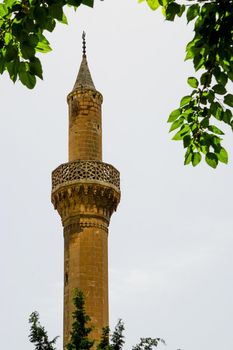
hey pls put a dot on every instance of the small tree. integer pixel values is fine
(81, 329)
(104, 341)
(38, 335)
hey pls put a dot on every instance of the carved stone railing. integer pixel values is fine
(84, 171)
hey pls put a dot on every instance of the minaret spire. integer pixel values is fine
(84, 79)
(84, 43)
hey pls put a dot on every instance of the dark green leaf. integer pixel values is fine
(186, 141)
(211, 159)
(206, 79)
(193, 82)
(216, 110)
(27, 79)
(188, 155)
(50, 24)
(205, 122)
(33, 40)
(192, 12)
(228, 100)
(36, 68)
(12, 68)
(227, 116)
(222, 78)
(27, 51)
(56, 11)
(11, 53)
(219, 89)
(172, 10)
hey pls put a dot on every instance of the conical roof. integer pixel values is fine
(84, 79)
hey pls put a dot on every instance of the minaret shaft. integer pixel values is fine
(85, 126)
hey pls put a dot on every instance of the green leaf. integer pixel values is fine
(174, 115)
(153, 4)
(222, 78)
(205, 122)
(36, 68)
(196, 158)
(33, 40)
(9, 3)
(64, 19)
(11, 53)
(216, 110)
(188, 155)
(27, 79)
(43, 45)
(186, 141)
(211, 159)
(193, 82)
(3, 10)
(223, 156)
(192, 12)
(206, 79)
(176, 124)
(181, 133)
(219, 89)
(228, 100)
(227, 116)
(27, 51)
(185, 100)
(172, 10)
(56, 11)
(41, 15)
(215, 130)
(12, 68)
(50, 24)
(2, 64)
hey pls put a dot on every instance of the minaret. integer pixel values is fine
(85, 192)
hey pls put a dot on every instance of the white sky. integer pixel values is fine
(170, 243)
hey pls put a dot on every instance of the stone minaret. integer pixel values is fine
(85, 192)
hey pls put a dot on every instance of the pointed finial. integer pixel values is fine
(84, 43)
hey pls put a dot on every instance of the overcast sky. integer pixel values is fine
(170, 242)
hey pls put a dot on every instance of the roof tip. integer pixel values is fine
(84, 79)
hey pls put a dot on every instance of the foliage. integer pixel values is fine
(211, 51)
(38, 335)
(22, 35)
(117, 340)
(104, 341)
(81, 328)
(148, 343)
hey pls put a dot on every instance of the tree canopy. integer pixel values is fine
(198, 118)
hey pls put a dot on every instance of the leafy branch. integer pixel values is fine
(211, 51)
(22, 35)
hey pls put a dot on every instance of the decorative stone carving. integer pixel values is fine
(89, 171)
(85, 189)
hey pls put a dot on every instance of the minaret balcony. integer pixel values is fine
(85, 171)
